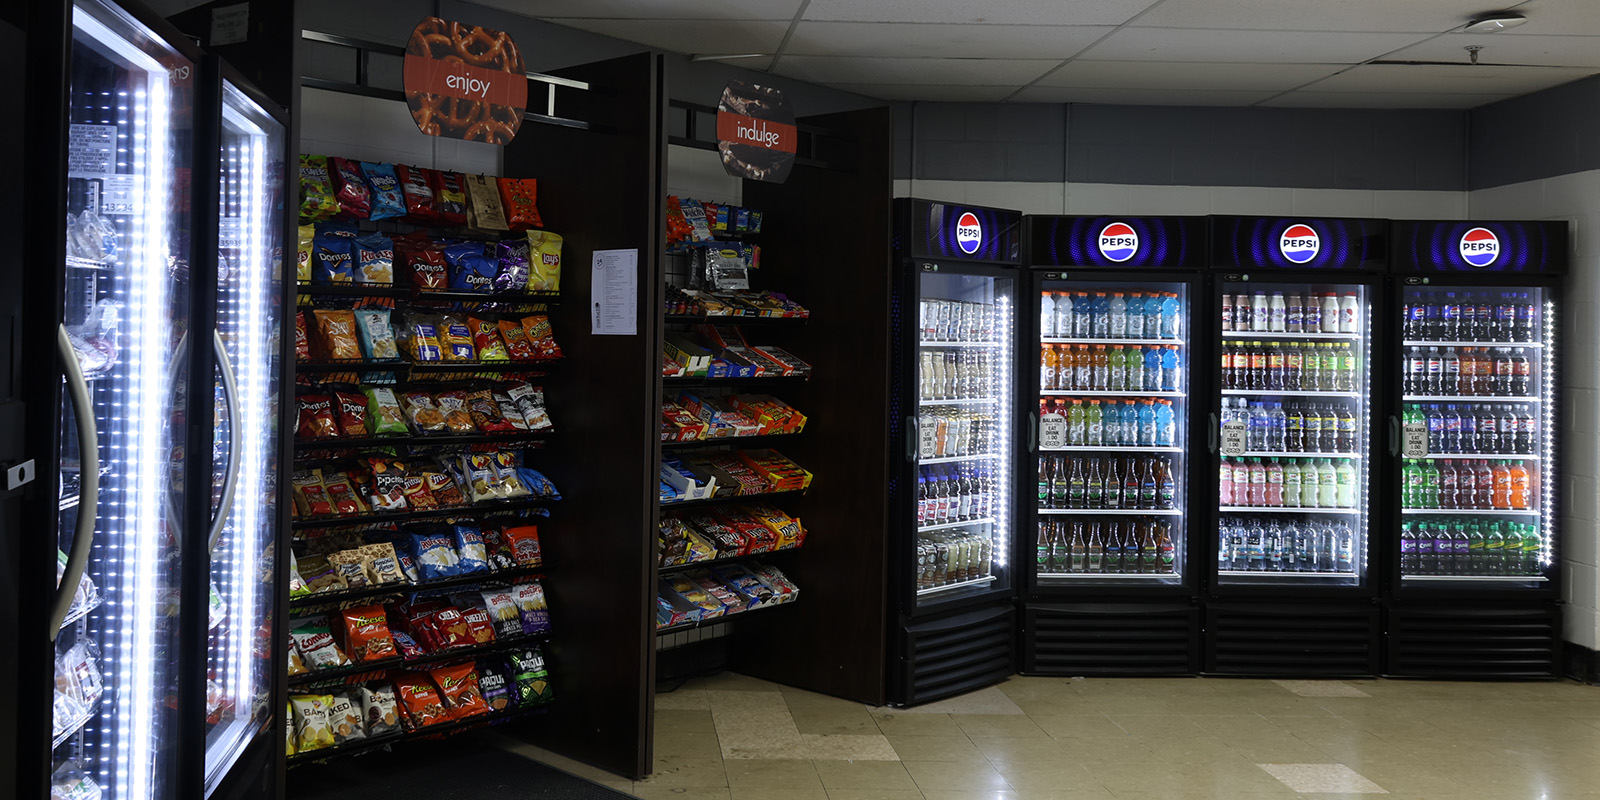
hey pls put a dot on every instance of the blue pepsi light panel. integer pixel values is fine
(1115, 242)
(1246, 243)
(1480, 247)
(930, 229)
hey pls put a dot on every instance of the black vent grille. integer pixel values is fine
(1111, 639)
(1468, 642)
(957, 654)
(1287, 640)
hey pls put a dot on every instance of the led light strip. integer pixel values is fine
(1547, 438)
(1002, 443)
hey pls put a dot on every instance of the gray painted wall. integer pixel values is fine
(1541, 135)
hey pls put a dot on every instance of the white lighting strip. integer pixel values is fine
(1547, 361)
(1002, 444)
(1362, 547)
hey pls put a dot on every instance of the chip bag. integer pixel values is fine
(336, 332)
(486, 340)
(494, 681)
(532, 680)
(524, 541)
(377, 337)
(458, 686)
(311, 728)
(516, 338)
(519, 198)
(333, 248)
(350, 189)
(310, 498)
(388, 201)
(457, 415)
(513, 274)
(316, 417)
(420, 208)
(367, 634)
(486, 412)
(421, 338)
(529, 597)
(302, 342)
(450, 197)
(374, 259)
(317, 201)
(378, 709)
(541, 337)
(544, 261)
(420, 700)
(425, 259)
(502, 611)
(384, 410)
(344, 717)
(313, 637)
(470, 269)
(304, 253)
(352, 414)
(455, 335)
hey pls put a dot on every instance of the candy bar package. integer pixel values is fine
(450, 198)
(383, 408)
(420, 207)
(513, 267)
(350, 188)
(529, 597)
(378, 709)
(435, 555)
(530, 677)
(311, 728)
(367, 634)
(494, 681)
(333, 259)
(316, 417)
(336, 331)
(408, 646)
(344, 717)
(388, 201)
(317, 201)
(520, 199)
(313, 637)
(352, 413)
(470, 269)
(544, 261)
(484, 209)
(420, 700)
(374, 259)
(305, 253)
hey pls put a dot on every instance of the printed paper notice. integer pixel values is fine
(614, 286)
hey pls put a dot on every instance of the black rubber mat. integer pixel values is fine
(455, 770)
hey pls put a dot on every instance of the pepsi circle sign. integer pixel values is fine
(1479, 247)
(1118, 242)
(969, 233)
(1299, 243)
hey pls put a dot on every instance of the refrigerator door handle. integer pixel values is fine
(1033, 431)
(913, 438)
(230, 395)
(1394, 435)
(88, 482)
(1211, 434)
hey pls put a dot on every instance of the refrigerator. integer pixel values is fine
(1107, 568)
(953, 512)
(1292, 577)
(1474, 481)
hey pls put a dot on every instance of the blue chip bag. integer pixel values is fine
(540, 486)
(388, 199)
(474, 555)
(374, 259)
(334, 249)
(435, 555)
(470, 269)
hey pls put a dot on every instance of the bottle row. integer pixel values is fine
(1146, 483)
(1294, 427)
(1252, 544)
(1108, 422)
(1109, 547)
(1110, 315)
(953, 556)
(1468, 371)
(957, 321)
(1293, 367)
(1117, 368)
(958, 493)
(1292, 313)
(957, 375)
(1503, 485)
(1470, 317)
(948, 433)
(1456, 546)
(1472, 428)
(1310, 483)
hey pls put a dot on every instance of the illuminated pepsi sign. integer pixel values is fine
(930, 229)
(1117, 241)
(1245, 243)
(1479, 247)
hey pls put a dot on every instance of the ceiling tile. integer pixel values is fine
(997, 12)
(954, 94)
(1140, 97)
(958, 71)
(691, 36)
(1568, 17)
(1304, 99)
(1425, 16)
(1482, 79)
(649, 9)
(1186, 75)
(1549, 51)
(1183, 44)
(943, 40)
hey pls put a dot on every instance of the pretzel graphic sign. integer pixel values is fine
(465, 82)
(756, 134)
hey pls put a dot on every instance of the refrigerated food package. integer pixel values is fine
(70, 782)
(95, 341)
(544, 261)
(79, 684)
(311, 728)
(85, 596)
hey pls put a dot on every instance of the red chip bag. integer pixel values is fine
(541, 337)
(420, 208)
(520, 197)
(421, 701)
(524, 541)
(478, 626)
(517, 344)
(367, 636)
(302, 343)
(352, 413)
(450, 197)
(458, 685)
(450, 628)
(310, 498)
(316, 417)
(486, 340)
(350, 188)
(342, 494)
(425, 258)
(417, 494)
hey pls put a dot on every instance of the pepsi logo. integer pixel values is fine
(969, 233)
(1118, 242)
(1299, 243)
(1479, 247)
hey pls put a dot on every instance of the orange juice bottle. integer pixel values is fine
(1500, 497)
(1049, 364)
(1520, 494)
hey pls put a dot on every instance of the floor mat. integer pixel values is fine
(458, 770)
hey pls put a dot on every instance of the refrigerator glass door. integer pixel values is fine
(244, 449)
(963, 435)
(1113, 412)
(1477, 480)
(1293, 505)
(124, 341)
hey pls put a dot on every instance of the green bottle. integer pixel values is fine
(1475, 551)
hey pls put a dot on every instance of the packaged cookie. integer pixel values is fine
(383, 408)
(378, 709)
(544, 261)
(336, 329)
(344, 717)
(383, 564)
(311, 728)
(313, 637)
(351, 566)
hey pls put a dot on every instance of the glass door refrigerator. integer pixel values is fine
(953, 515)
(1109, 580)
(1292, 583)
(1474, 416)
(101, 554)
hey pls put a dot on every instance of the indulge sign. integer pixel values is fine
(756, 135)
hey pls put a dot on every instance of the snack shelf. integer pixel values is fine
(1239, 573)
(1285, 335)
(431, 513)
(950, 587)
(1469, 398)
(1475, 456)
(547, 298)
(328, 598)
(701, 380)
(354, 365)
(1145, 512)
(1287, 510)
(947, 525)
(1295, 454)
(958, 459)
(1468, 512)
(1457, 343)
(735, 440)
(668, 569)
(339, 674)
(483, 366)
(707, 623)
(453, 726)
(722, 498)
(1477, 578)
(418, 439)
(77, 724)
(696, 319)
(81, 611)
(1287, 393)
(351, 290)
(1103, 340)
(1047, 577)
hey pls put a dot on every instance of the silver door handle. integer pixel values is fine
(1211, 434)
(230, 397)
(913, 439)
(88, 482)
(1394, 435)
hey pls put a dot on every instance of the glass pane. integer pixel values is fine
(1113, 418)
(963, 435)
(1293, 486)
(127, 254)
(1476, 498)
(244, 481)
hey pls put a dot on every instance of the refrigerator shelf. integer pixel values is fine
(722, 498)
(1141, 342)
(341, 674)
(1278, 454)
(327, 598)
(1145, 512)
(947, 525)
(1499, 512)
(1096, 448)
(74, 262)
(431, 513)
(1106, 393)
(1286, 335)
(80, 611)
(668, 569)
(1448, 456)
(707, 623)
(757, 440)
(957, 459)
(1105, 576)
(950, 587)
(454, 726)
(1468, 398)
(961, 344)
(1418, 343)
(1287, 393)
(1285, 510)
(77, 724)
(970, 401)
(410, 439)
(1237, 573)
(1477, 578)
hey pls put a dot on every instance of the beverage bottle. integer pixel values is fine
(1077, 549)
(1482, 495)
(1100, 316)
(1095, 562)
(1509, 424)
(1243, 313)
(1119, 369)
(1453, 544)
(1503, 371)
(1166, 485)
(1476, 541)
(1225, 483)
(1527, 430)
(1258, 365)
(1093, 424)
(1277, 429)
(1494, 549)
(1433, 378)
(1046, 478)
(1450, 382)
(1227, 312)
(1064, 321)
(1503, 325)
(1047, 315)
(1294, 367)
(1152, 316)
(1096, 494)
(1409, 563)
(1226, 375)
(1500, 497)
(954, 385)
(1152, 369)
(1344, 440)
(1511, 551)
(1130, 485)
(1275, 365)
(1041, 563)
(1525, 329)
(1412, 485)
(1532, 545)
(1408, 322)
(1255, 431)
(1474, 377)
(1241, 365)
(1330, 313)
(1113, 483)
(1239, 545)
(1149, 551)
(1311, 428)
(1293, 546)
(1488, 428)
(935, 382)
(1167, 553)
(1430, 485)
(1272, 542)
(1328, 484)
(1166, 424)
(1311, 369)
(1349, 314)
(1450, 319)
(1224, 546)
(1435, 420)
(1347, 368)
(1293, 429)
(1430, 320)
(1260, 318)
(1049, 360)
(1345, 476)
(1467, 326)
(1431, 553)
(1114, 545)
(1147, 423)
(1083, 367)
(1294, 315)
(1082, 316)
(1449, 485)
(1330, 429)
(1258, 483)
(1416, 370)
(1100, 369)
(1469, 430)
(1345, 548)
(1132, 555)
(1291, 483)
(1058, 483)
(1147, 485)
(1521, 373)
(1277, 313)
(1117, 311)
(1452, 429)
(1076, 424)
(1255, 546)
(1171, 373)
(1077, 485)
(1274, 492)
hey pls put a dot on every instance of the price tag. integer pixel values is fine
(1233, 438)
(1052, 431)
(1414, 440)
(927, 440)
(120, 194)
